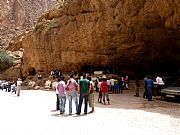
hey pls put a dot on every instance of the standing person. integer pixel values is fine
(137, 87)
(160, 85)
(71, 90)
(109, 84)
(112, 84)
(91, 95)
(123, 83)
(145, 87)
(62, 94)
(100, 92)
(57, 96)
(19, 82)
(1, 84)
(120, 84)
(84, 89)
(150, 84)
(104, 89)
(116, 86)
(13, 87)
(96, 84)
(126, 80)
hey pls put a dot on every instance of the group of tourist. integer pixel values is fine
(83, 86)
(11, 86)
(86, 87)
(115, 84)
(149, 84)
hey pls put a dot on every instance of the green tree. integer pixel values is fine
(6, 61)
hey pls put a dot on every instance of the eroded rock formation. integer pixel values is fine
(17, 16)
(130, 35)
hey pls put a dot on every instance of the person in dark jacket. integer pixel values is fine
(150, 85)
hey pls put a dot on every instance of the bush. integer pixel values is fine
(52, 25)
(6, 61)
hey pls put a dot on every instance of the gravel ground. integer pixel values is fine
(33, 114)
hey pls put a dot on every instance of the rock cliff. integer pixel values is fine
(17, 16)
(133, 35)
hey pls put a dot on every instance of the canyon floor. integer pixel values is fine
(33, 113)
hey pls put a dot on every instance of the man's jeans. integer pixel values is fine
(149, 93)
(74, 96)
(85, 96)
(57, 102)
(62, 102)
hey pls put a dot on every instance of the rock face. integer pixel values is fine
(17, 16)
(132, 35)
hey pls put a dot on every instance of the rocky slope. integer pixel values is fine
(17, 16)
(134, 35)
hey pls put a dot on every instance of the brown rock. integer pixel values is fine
(17, 16)
(124, 35)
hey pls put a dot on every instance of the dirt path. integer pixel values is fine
(33, 114)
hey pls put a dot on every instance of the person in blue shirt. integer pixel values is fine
(150, 85)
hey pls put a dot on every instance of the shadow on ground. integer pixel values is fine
(127, 100)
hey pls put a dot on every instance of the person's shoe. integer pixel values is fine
(91, 111)
(70, 113)
(77, 113)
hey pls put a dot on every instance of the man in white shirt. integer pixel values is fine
(160, 85)
(19, 82)
(159, 80)
(112, 84)
(109, 84)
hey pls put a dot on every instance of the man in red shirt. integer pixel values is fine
(104, 89)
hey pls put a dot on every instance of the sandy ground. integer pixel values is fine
(33, 114)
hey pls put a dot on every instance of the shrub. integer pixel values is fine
(45, 26)
(52, 25)
(6, 61)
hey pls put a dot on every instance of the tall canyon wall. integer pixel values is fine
(18, 16)
(134, 35)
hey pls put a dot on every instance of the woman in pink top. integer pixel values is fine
(71, 89)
